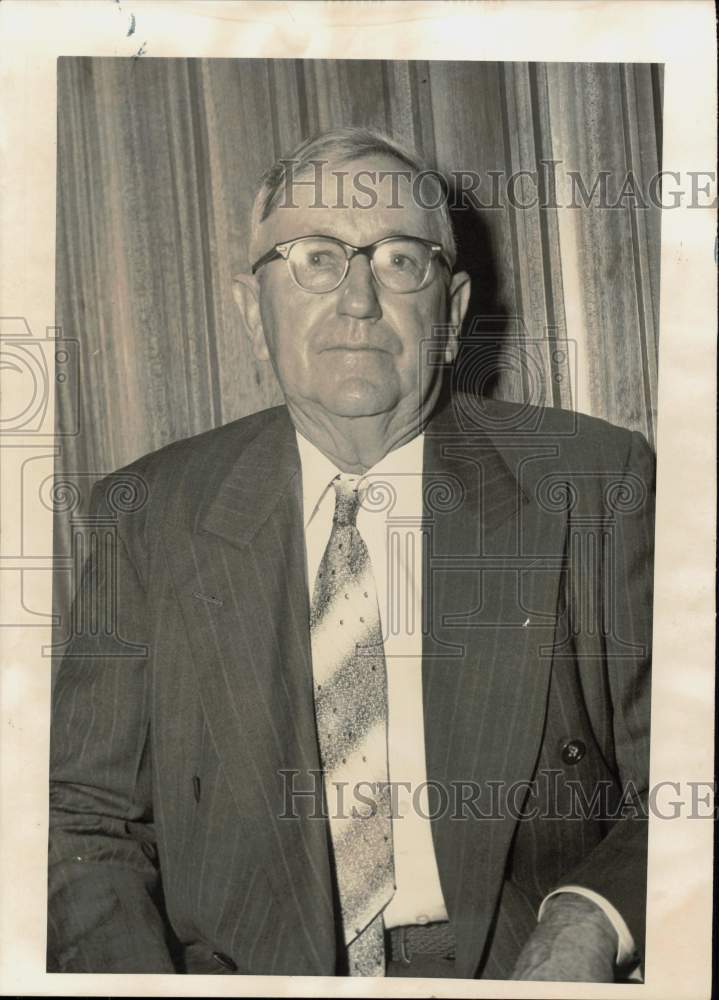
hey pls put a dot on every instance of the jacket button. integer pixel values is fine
(573, 751)
(225, 961)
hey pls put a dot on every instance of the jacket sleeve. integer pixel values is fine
(617, 868)
(105, 896)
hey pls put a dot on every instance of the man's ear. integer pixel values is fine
(246, 291)
(459, 289)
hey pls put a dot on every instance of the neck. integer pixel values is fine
(356, 444)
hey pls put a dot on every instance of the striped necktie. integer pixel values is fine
(350, 687)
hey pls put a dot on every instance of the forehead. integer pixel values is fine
(359, 202)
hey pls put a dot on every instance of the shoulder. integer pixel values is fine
(575, 438)
(549, 450)
(221, 445)
(188, 466)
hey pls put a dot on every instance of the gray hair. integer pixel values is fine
(341, 146)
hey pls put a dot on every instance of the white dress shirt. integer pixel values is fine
(389, 521)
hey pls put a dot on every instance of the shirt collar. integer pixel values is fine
(318, 471)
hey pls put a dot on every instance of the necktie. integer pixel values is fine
(351, 709)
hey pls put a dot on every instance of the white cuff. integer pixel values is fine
(625, 948)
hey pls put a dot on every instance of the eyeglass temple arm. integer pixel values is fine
(265, 259)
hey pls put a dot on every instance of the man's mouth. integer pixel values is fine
(356, 347)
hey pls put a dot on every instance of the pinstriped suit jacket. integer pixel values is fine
(168, 843)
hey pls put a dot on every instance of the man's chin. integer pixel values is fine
(359, 398)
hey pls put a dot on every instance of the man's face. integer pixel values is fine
(357, 350)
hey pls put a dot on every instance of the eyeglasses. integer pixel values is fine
(320, 263)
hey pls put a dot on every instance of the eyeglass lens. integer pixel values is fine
(319, 264)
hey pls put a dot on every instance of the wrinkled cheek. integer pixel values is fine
(295, 367)
(417, 355)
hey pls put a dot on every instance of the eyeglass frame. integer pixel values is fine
(282, 251)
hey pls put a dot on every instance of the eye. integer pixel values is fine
(320, 258)
(402, 263)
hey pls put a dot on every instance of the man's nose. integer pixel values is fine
(358, 293)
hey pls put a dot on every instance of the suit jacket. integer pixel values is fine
(173, 729)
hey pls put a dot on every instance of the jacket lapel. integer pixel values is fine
(491, 576)
(246, 606)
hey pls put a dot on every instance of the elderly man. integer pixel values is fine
(391, 650)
